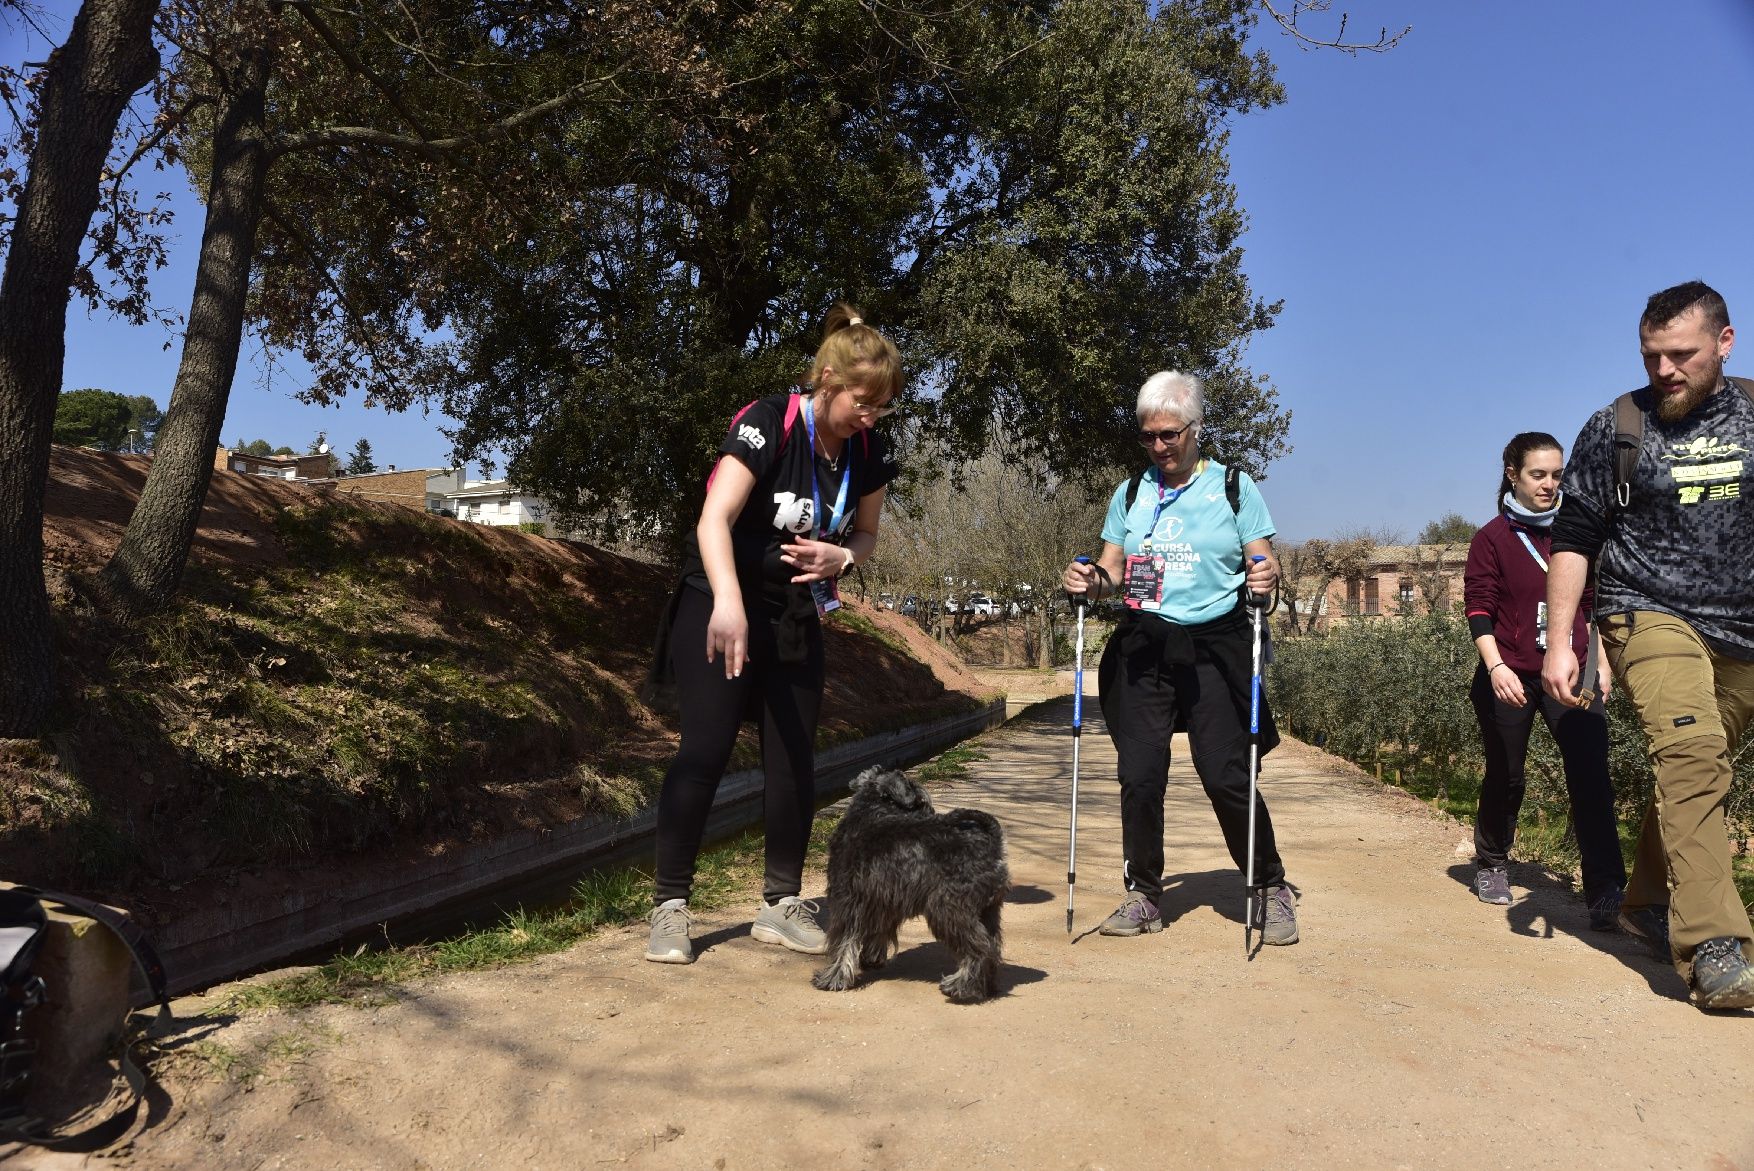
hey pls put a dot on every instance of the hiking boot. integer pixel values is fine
(1605, 911)
(1492, 884)
(1137, 915)
(1721, 975)
(669, 941)
(1650, 926)
(791, 923)
(1280, 925)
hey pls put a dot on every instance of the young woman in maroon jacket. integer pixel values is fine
(1505, 593)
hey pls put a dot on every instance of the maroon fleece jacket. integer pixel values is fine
(1502, 585)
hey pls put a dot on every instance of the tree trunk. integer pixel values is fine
(89, 81)
(143, 574)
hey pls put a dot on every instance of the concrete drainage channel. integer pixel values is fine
(477, 883)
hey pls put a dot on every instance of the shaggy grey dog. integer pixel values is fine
(891, 858)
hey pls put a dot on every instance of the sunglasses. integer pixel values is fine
(1166, 436)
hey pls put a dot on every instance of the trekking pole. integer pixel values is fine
(1080, 601)
(1257, 606)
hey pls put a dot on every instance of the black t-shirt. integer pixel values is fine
(781, 506)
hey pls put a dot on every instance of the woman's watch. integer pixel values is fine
(845, 569)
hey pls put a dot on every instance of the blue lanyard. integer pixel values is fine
(1530, 546)
(846, 478)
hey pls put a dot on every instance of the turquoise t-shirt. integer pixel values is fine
(1198, 535)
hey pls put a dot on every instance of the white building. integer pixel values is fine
(495, 502)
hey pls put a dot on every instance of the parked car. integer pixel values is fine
(910, 605)
(982, 606)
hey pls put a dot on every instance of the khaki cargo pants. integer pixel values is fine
(1694, 706)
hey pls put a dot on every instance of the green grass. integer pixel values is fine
(950, 765)
(1539, 838)
(601, 899)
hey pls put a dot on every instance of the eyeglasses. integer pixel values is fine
(1167, 435)
(875, 410)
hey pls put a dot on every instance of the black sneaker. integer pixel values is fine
(1721, 975)
(1650, 926)
(1605, 911)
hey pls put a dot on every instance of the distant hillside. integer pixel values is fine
(343, 678)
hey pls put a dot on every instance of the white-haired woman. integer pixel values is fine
(1178, 546)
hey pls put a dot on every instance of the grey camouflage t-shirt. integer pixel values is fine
(1681, 544)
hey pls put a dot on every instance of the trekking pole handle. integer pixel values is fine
(1081, 600)
(1258, 601)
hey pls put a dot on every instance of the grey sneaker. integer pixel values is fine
(669, 941)
(1605, 911)
(1650, 926)
(1280, 926)
(1721, 975)
(1135, 916)
(1492, 884)
(791, 923)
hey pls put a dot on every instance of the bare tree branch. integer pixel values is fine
(438, 147)
(359, 68)
(1287, 19)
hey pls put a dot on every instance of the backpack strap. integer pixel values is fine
(1628, 438)
(1232, 488)
(793, 402)
(1746, 385)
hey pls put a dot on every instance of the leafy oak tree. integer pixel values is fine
(389, 110)
(1452, 528)
(1032, 199)
(92, 418)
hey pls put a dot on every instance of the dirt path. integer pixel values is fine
(1412, 1027)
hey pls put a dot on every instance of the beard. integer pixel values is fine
(1677, 405)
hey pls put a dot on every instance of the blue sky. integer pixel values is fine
(1463, 231)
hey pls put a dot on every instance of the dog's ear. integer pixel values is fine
(898, 790)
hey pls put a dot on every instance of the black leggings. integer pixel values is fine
(1582, 736)
(788, 698)
(1143, 699)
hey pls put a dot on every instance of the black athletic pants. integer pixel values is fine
(1142, 711)
(788, 698)
(1582, 736)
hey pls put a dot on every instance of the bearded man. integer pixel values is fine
(1675, 602)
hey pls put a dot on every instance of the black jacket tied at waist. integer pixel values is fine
(1146, 643)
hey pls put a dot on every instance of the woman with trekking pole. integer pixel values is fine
(1505, 595)
(792, 504)
(1185, 541)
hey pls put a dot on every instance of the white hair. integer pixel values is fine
(1170, 392)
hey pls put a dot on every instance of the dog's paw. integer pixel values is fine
(962, 990)
(874, 959)
(833, 980)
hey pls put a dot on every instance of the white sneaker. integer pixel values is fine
(669, 941)
(791, 923)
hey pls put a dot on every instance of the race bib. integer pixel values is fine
(826, 595)
(1142, 583)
